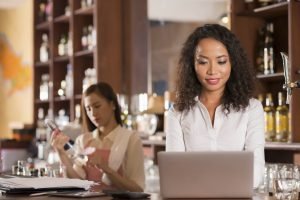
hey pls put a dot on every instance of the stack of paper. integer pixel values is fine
(44, 182)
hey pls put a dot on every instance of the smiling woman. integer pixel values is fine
(214, 109)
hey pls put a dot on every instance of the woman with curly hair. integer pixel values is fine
(214, 109)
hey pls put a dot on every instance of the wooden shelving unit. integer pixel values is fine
(105, 16)
(285, 17)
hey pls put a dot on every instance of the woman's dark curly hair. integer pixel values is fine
(103, 90)
(240, 86)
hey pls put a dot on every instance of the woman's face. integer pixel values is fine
(212, 65)
(99, 110)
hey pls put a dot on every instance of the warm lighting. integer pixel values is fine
(224, 19)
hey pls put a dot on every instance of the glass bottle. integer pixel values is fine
(61, 46)
(261, 99)
(83, 3)
(77, 114)
(41, 130)
(44, 49)
(260, 50)
(269, 114)
(70, 45)
(48, 10)
(269, 50)
(85, 81)
(44, 87)
(42, 12)
(90, 37)
(69, 81)
(270, 32)
(282, 120)
(84, 38)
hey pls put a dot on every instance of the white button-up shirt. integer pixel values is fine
(236, 131)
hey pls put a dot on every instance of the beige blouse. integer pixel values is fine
(133, 163)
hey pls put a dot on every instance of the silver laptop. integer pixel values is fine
(223, 174)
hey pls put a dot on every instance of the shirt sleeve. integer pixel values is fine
(255, 139)
(174, 134)
(134, 164)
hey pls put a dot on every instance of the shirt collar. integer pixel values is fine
(111, 136)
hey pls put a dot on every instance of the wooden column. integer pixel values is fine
(135, 46)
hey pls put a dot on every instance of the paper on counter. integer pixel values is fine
(44, 182)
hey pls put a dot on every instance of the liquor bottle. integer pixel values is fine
(261, 99)
(270, 33)
(269, 114)
(70, 45)
(260, 50)
(90, 37)
(48, 10)
(84, 38)
(77, 120)
(44, 49)
(69, 81)
(41, 130)
(61, 45)
(44, 87)
(83, 3)
(282, 120)
(262, 3)
(69, 147)
(269, 50)
(42, 12)
(249, 5)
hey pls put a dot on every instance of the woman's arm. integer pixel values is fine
(255, 139)
(68, 163)
(58, 140)
(174, 134)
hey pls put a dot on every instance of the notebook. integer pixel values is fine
(227, 174)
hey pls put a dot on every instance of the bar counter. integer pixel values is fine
(153, 197)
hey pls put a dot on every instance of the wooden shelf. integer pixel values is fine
(42, 64)
(271, 11)
(271, 77)
(62, 58)
(85, 11)
(61, 99)
(37, 101)
(84, 53)
(43, 26)
(62, 19)
(283, 16)
(282, 146)
(106, 17)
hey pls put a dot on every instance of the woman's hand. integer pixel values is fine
(58, 140)
(99, 158)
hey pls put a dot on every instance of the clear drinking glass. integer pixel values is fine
(285, 182)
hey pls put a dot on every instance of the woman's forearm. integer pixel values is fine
(120, 181)
(68, 163)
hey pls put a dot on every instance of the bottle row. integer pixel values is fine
(67, 84)
(65, 45)
(277, 119)
(45, 12)
(265, 50)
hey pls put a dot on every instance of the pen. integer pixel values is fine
(42, 193)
